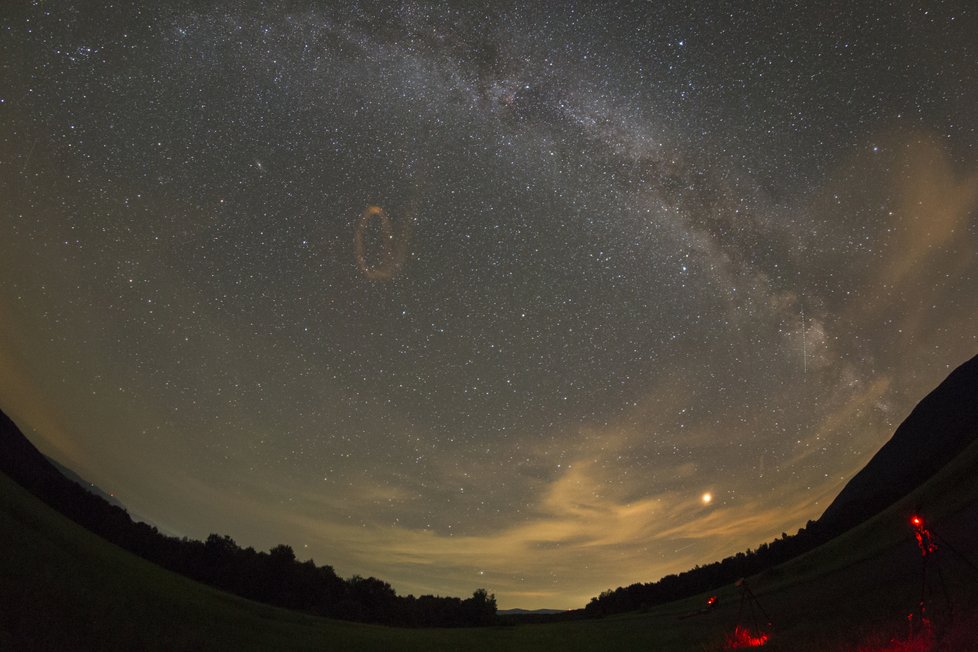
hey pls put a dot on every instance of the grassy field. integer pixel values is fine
(62, 588)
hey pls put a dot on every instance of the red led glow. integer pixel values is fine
(925, 540)
(742, 637)
(712, 601)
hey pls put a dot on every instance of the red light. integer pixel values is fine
(742, 637)
(712, 601)
(925, 540)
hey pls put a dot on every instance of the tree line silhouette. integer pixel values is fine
(275, 577)
(712, 576)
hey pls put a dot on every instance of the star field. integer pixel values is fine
(497, 297)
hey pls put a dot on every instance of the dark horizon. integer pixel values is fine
(544, 302)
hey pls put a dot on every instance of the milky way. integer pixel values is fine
(483, 298)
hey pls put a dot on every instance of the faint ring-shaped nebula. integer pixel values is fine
(393, 246)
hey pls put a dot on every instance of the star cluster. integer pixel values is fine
(540, 299)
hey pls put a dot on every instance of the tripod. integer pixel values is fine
(927, 541)
(750, 603)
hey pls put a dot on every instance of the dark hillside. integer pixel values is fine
(20, 460)
(275, 577)
(84, 484)
(942, 425)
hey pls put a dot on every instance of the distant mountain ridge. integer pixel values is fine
(85, 484)
(942, 425)
(93, 488)
(28, 466)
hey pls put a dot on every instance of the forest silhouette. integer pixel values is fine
(275, 577)
(944, 419)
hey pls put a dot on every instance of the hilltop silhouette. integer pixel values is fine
(942, 425)
(938, 429)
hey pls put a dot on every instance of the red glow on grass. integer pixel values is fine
(742, 637)
(921, 644)
(919, 641)
(916, 521)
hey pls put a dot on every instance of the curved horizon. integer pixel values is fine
(461, 298)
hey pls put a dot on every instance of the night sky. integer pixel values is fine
(490, 297)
